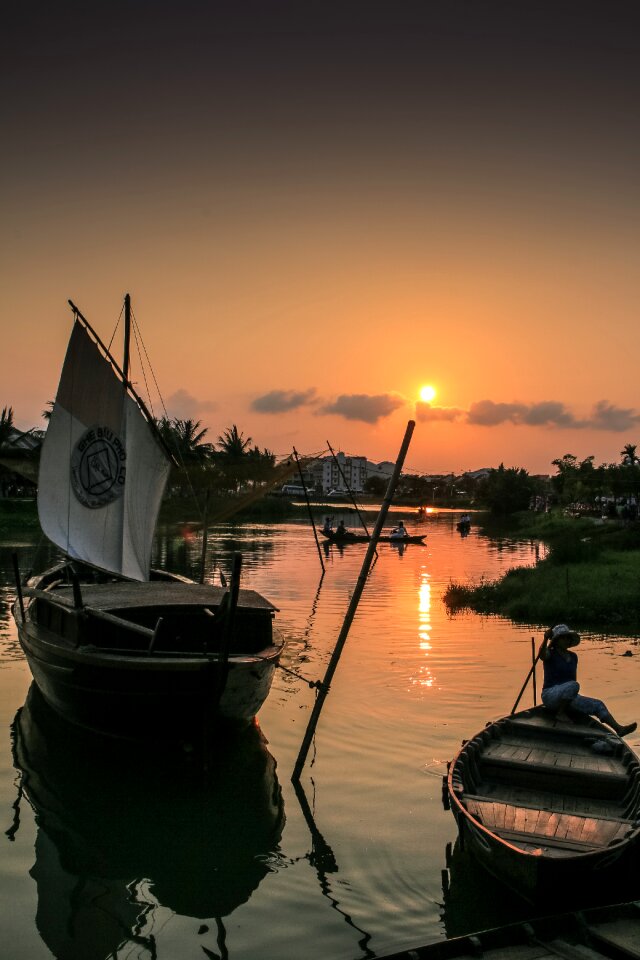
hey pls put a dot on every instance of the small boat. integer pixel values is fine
(464, 524)
(542, 803)
(600, 933)
(348, 537)
(113, 645)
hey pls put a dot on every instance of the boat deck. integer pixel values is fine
(602, 933)
(128, 595)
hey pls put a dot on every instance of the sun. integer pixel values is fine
(427, 393)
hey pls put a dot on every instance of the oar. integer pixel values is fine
(524, 685)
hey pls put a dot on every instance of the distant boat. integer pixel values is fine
(349, 537)
(113, 645)
(542, 803)
(464, 524)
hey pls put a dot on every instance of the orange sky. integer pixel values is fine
(317, 211)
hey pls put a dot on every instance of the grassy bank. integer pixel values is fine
(590, 577)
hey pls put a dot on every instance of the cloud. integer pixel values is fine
(182, 406)
(547, 413)
(279, 401)
(607, 417)
(427, 412)
(362, 406)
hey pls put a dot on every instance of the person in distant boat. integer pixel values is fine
(399, 532)
(328, 526)
(560, 691)
(465, 518)
(341, 530)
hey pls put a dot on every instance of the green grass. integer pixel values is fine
(591, 578)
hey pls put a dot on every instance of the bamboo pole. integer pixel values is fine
(528, 677)
(205, 534)
(344, 480)
(353, 605)
(306, 497)
(533, 661)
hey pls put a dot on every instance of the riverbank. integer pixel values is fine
(589, 577)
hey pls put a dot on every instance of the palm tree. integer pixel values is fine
(6, 424)
(628, 454)
(233, 445)
(185, 438)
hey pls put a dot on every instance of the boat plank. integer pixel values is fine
(620, 934)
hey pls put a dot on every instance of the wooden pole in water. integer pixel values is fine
(306, 497)
(205, 533)
(353, 605)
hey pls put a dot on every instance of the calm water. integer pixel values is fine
(109, 854)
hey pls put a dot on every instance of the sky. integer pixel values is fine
(320, 208)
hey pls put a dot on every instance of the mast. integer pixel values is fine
(127, 337)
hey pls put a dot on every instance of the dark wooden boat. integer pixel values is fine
(600, 933)
(541, 803)
(463, 526)
(363, 538)
(112, 645)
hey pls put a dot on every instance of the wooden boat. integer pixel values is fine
(600, 933)
(463, 525)
(363, 538)
(542, 803)
(111, 644)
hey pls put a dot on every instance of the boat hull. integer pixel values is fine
(88, 676)
(361, 538)
(539, 808)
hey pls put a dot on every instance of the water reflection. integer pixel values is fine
(126, 841)
(474, 900)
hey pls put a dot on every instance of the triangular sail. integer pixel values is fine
(102, 471)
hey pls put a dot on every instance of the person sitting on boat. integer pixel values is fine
(341, 530)
(399, 532)
(465, 519)
(561, 688)
(328, 526)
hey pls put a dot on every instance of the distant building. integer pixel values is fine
(328, 476)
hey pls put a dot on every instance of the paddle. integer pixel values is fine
(528, 677)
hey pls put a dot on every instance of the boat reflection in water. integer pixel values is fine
(124, 840)
(473, 900)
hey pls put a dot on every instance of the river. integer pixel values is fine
(109, 855)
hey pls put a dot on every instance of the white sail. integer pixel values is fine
(102, 471)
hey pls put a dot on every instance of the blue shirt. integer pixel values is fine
(558, 670)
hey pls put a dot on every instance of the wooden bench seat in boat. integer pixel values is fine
(547, 828)
(564, 768)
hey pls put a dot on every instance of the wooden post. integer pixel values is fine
(353, 605)
(205, 532)
(127, 338)
(16, 573)
(533, 661)
(306, 497)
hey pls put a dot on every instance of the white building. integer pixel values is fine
(328, 476)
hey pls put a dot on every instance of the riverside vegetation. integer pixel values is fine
(589, 577)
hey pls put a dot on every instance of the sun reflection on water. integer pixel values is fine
(425, 676)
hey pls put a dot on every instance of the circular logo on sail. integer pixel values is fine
(98, 467)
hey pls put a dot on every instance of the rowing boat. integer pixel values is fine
(601, 933)
(541, 803)
(363, 538)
